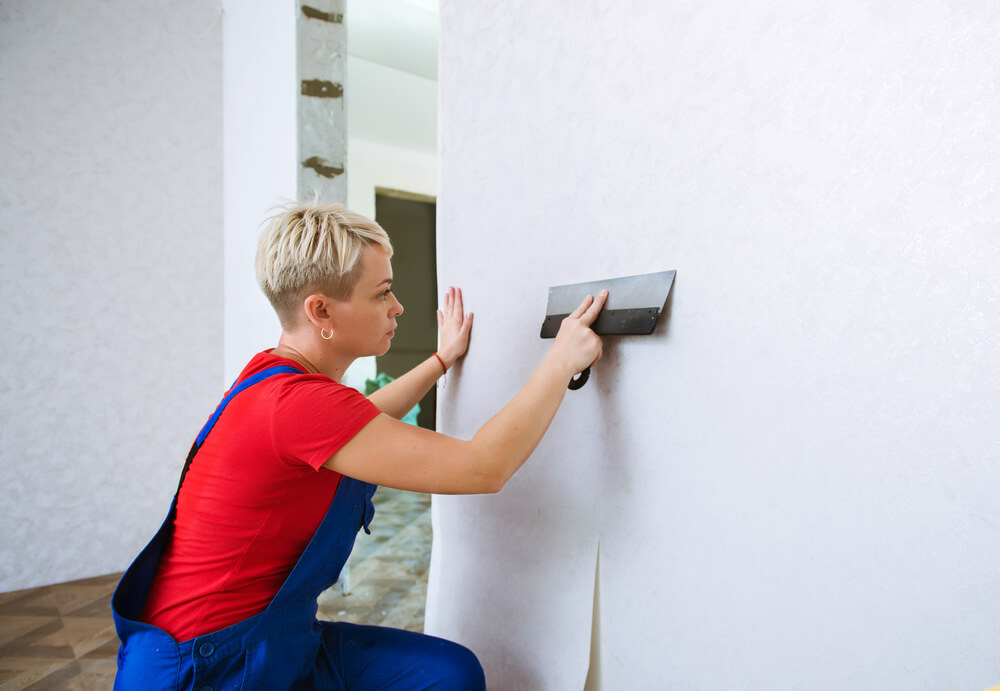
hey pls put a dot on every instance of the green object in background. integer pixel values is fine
(380, 380)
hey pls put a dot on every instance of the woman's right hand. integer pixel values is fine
(392, 453)
(577, 347)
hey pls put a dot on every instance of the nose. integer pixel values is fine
(398, 308)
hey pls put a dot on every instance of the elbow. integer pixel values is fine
(492, 485)
(488, 482)
(489, 474)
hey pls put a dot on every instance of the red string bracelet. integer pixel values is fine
(443, 366)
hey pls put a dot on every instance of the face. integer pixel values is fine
(366, 323)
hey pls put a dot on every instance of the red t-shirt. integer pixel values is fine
(252, 499)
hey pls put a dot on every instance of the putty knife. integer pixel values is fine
(634, 306)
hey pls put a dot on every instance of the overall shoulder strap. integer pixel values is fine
(236, 388)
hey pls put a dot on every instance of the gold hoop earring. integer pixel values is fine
(322, 332)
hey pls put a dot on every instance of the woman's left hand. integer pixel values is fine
(454, 325)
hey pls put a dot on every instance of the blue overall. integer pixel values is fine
(284, 647)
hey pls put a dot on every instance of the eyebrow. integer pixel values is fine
(388, 280)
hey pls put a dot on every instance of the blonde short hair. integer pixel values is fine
(309, 248)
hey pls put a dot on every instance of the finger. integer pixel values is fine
(578, 312)
(595, 308)
(447, 299)
(459, 307)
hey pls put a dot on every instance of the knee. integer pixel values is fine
(459, 669)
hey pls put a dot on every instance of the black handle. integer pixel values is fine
(580, 380)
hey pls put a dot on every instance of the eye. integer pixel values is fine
(384, 295)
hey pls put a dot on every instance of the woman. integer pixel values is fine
(280, 480)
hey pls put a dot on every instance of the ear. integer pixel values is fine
(317, 310)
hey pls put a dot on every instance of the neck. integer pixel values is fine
(316, 357)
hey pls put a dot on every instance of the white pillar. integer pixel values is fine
(284, 139)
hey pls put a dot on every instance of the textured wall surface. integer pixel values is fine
(794, 481)
(111, 262)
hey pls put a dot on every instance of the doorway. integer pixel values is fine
(410, 221)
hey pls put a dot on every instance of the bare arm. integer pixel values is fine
(398, 397)
(391, 453)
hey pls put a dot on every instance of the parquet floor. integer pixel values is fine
(61, 637)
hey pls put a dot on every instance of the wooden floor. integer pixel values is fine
(62, 637)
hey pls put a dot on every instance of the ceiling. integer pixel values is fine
(401, 34)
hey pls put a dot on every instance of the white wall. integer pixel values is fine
(794, 481)
(392, 141)
(392, 136)
(394, 109)
(111, 256)
(118, 222)
(261, 150)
